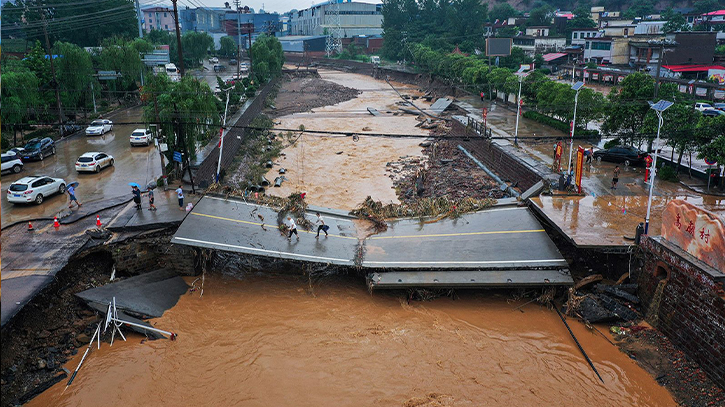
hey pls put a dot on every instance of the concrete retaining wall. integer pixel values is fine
(206, 173)
(144, 254)
(691, 311)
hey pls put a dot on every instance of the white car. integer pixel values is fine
(99, 127)
(244, 67)
(34, 189)
(703, 106)
(214, 60)
(94, 161)
(11, 162)
(141, 137)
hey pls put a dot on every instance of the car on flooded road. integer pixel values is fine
(38, 149)
(94, 162)
(627, 155)
(99, 127)
(34, 189)
(11, 162)
(141, 137)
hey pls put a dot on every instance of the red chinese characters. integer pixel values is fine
(691, 229)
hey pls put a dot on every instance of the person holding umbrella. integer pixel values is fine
(72, 194)
(136, 194)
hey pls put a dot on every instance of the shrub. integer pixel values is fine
(5, 143)
(667, 173)
(612, 143)
(40, 133)
(558, 124)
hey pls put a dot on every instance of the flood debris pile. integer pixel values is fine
(445, 171)
(303, 91)
(604, 302)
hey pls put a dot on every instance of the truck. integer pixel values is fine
(375, 59)
(172, 72)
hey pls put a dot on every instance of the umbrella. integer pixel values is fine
(73, 184)
(133, 184)
(151, 185)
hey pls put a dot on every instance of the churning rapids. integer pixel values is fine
(279, 341)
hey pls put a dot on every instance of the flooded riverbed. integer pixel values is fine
(274, 341)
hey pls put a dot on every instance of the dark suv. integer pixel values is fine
(621, 154)
(38, 149)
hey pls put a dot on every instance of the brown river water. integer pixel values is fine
(279, 341)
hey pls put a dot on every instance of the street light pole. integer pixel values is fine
(577, 87)
(659, 108)
(221, 137)
(518, 112)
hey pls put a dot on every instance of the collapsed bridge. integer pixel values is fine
(503, 246)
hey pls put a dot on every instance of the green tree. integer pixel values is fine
(706, 6)
(678, 126)
(675, 21)
(267, 58)
(20, 98)
(541, 15)
(160, 37)
(195, 46)
(628, 106)
(120, 56)
(640, 8)
(582, 19)
(74, 71)
(714, 151)
(502, 12)
(227, 47)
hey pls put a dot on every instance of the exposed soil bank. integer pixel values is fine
(303, 91)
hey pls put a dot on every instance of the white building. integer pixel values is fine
(580, 35)
(355, 19)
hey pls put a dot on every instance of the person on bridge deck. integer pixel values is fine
(72, 194)
(321, 225)
(180, 195)
(152, 207)
(136, 196)
(615, 178)
(292, 226)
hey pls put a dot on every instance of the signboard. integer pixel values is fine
(709, 162)
(556, 166)
(595, 75)
(682, 88)
(578, 169)
(608, 78)
(717, 75)
(177, 156)
(108, 75)
(163, 147)
(498, 47)
(718, 94)
(698, 232)
(701, 91)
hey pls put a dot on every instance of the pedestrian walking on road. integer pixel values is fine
(72, 194)
(292, 226)
(180, 195)
(482, 96)
(152, 207)
(136, 196)
(321, 225)
(615, 178)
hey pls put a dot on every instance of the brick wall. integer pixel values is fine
(692, 308)
(206, 173)
(141, 255)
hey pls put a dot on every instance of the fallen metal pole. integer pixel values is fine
(171, 335)
(73, 376)
(577, 343)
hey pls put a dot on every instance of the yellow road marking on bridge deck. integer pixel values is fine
(265, 224)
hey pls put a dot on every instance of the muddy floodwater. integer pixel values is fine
(275, 341)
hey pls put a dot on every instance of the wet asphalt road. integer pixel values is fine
(132, 164)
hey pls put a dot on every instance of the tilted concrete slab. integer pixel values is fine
(506, 240)
(440, 105)
(467, 278)
(236, 226)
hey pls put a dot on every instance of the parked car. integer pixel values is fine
(38, 149)
(703, 106)
(214, 60)
(713, 112)
(94, 161)
(621, 154)
(141, 137)
(232, 61)
(719, 106)
(11, 162)
(244, 67)
(34, 189)
(99, 127)
(69, 128)
(219, 68)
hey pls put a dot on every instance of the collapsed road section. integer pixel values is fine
(503, 246)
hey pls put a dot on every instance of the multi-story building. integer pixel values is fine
(158, 18)
(580, 35)
(533, 45)
(354, 19)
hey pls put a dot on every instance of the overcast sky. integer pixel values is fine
(280, 6)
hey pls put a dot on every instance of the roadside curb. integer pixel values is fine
(702, 191)
(67, 222)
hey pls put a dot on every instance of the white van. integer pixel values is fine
(375, 59)
(172, 72)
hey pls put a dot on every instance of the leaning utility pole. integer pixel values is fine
(659, 68)
(178, 39)
(52, 69)
(138, 17)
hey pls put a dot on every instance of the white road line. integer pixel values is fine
(273, 209)
(262, 250)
